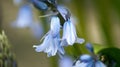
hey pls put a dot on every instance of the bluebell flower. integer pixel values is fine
(69, 34)
(51, 43)
(88, 61)
(55, 26)
(65, 62)
(24, 18)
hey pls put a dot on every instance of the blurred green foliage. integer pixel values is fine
(7, 58)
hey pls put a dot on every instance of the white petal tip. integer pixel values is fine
(34, 46)
(80, 40)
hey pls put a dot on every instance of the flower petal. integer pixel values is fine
(69, 33)
(52, 47)
(79, 64)
(86, 58)
(63, 43)
(99, 64)
(24, 18)
(80, 40)
(55, 25)
(90, 47)
(44, 45)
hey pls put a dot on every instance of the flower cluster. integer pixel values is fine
(52, 42)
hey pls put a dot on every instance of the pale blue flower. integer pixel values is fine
(51, 43)
(65, 62)
(24, 18)
(55, 25)
(69, 34)
(88, 61)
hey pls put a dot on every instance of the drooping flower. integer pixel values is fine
(88, 61)
(48, 46)
(24, 18)
(69, 34)
(51, 43)
(55, 25)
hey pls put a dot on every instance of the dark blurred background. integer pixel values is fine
(97, 21)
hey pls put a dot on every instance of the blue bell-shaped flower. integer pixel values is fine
(48, 46)
(55, 25)
(51, 43)
(69, 34)
(24, 18)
